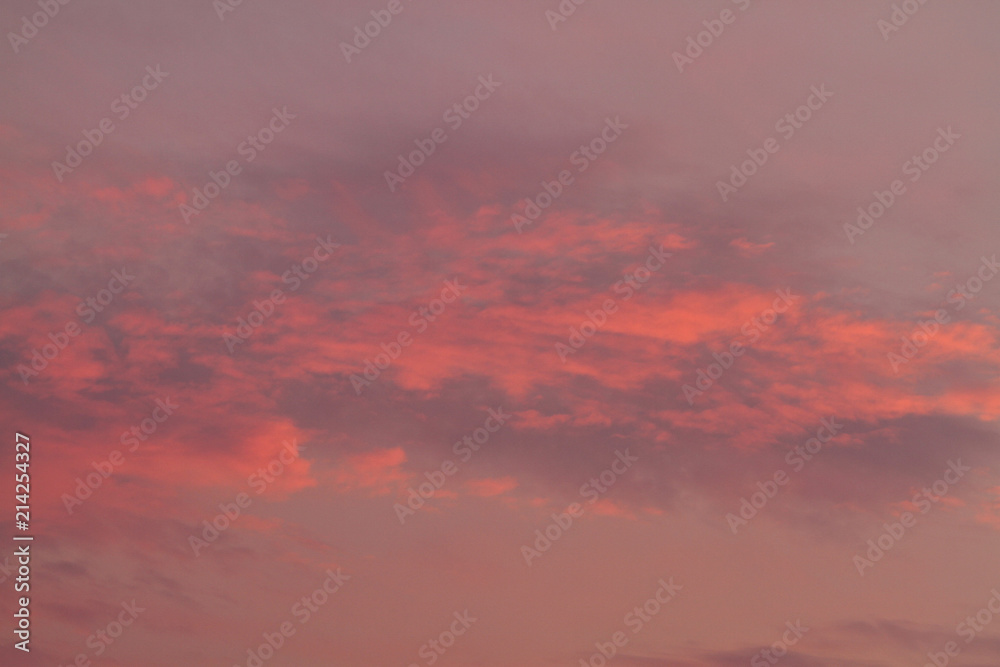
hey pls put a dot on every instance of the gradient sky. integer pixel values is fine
(358, 453)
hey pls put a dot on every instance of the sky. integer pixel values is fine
(521, 334)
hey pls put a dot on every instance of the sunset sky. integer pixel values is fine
(648, 333)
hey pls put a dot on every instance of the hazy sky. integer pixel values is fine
(583, 221)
